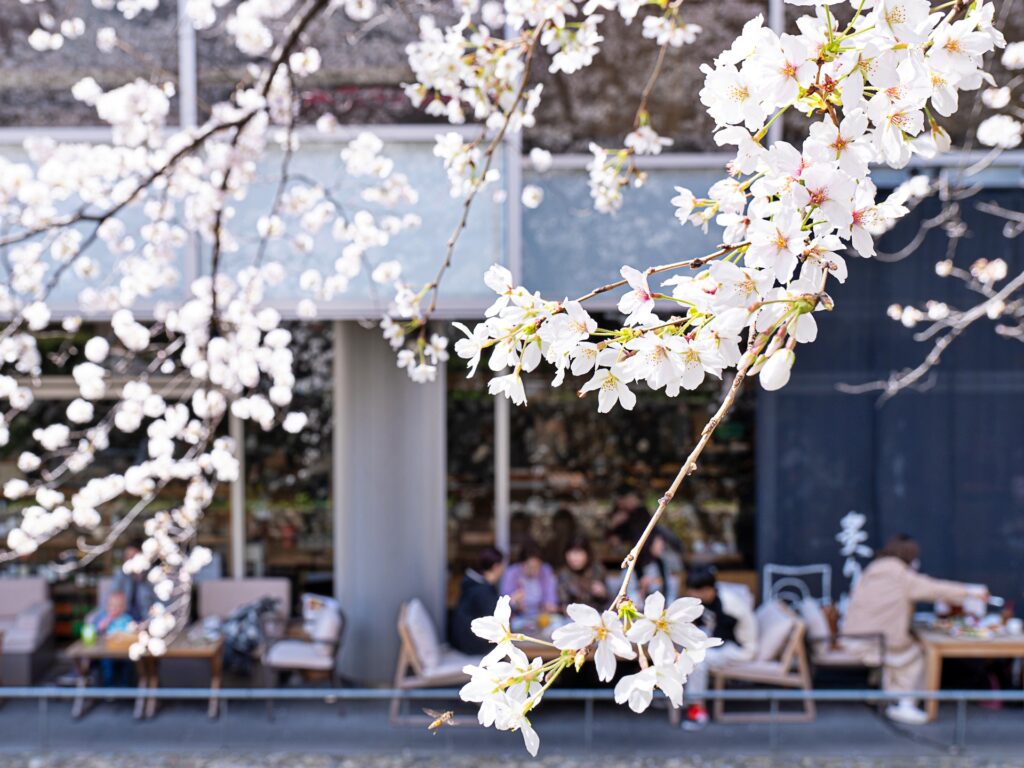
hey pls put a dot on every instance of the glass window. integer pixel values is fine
(420, 249)
(571, 467)
(75, 596)
(288, 477)
(569, 248)
(66, 295)
(470, 429)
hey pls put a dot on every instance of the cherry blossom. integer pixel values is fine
(603, 630)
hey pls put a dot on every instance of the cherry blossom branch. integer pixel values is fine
(652, 79)
(629, 563)
(98, 218)
(489, 153)
(700, 261)
(956, 326)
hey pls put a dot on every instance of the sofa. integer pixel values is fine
(219, 597)
(26, 624)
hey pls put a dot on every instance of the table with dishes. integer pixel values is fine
(965, 638)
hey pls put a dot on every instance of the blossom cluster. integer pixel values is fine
(1003, 129)
(996, 290)
(472, 69)
(169, 371)
(507, 685)
(787, 212)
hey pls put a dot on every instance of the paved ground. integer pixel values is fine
(319, 735)
(283, 760)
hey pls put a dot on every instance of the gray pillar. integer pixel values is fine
(239, 538)
(389, 498)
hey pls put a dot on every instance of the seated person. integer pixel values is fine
(727, 615)
(531, 584)
(580, 579)
(138, 592)
(478, 597)
(112, 619)
(882, 602)
(628, 518)
(659, 567)
(563, 530)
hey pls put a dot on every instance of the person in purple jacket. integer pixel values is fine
(531, 583)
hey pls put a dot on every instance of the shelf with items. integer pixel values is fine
(470, 480)
(566, 457)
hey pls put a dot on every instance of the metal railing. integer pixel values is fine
(774, 697)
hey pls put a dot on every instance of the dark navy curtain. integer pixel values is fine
(944, 464)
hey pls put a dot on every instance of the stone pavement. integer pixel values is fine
(318, 735)
(287, 760)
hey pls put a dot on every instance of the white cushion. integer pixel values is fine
(843, 657)
(774, 624)
(739, 591)
(298, 654)
(757, 667)
(326, 626)
(814, 618)
(421, 631)
(452, 661)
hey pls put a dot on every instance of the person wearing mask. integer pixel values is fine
(580, 579)
(135, 587)
(531, 583)
(727, 615)
(478, 597)
(882, 603)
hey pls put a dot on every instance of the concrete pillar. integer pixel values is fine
(389, 497)
(238, 535)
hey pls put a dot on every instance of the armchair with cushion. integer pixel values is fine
(781, 661)
(834, 649)
(314, 652)
(423, 661)
(26, 623)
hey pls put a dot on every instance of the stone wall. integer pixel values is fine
(364, 67)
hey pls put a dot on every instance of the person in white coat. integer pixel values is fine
(727, 615)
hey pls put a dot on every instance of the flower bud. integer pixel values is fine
(775, 373)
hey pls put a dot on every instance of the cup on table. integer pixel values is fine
(1015, 626)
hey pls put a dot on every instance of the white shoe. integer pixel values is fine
(906, 714)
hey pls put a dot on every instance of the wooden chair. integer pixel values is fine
(423, 662)
(787, 668)
(830, 648)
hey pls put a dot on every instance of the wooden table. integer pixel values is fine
(147, 669)
(939, 646)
